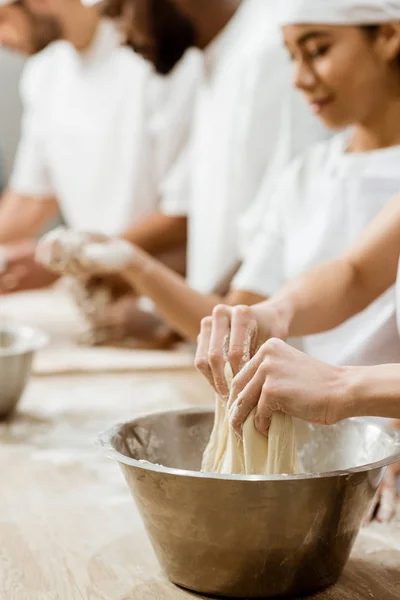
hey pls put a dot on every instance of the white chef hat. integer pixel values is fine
(339, 12)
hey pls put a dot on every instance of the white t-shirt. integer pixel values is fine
(90, 135)
(247, 120)
(398, 299)
(317, 209)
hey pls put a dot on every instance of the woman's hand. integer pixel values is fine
(84, 254)
(234, 334)
(383, 507)
(280, 378)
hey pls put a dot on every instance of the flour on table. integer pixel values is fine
(254, 454)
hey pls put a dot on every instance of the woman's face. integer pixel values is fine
(343, 71)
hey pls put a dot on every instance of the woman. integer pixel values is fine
(331, 293)
(279, 377)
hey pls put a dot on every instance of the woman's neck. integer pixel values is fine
(381, 129)
(79, 25)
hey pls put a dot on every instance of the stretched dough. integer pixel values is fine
(254, 454)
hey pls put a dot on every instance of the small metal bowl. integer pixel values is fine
(249, 536)
(17, 348)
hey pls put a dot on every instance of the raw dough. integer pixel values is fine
(112, 256)
(255, 454)
(91, 306)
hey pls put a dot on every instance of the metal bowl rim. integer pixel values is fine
(104, 442)
(38, 340)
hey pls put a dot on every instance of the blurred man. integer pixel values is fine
(23, 32)
(91, 145)
(247, 120)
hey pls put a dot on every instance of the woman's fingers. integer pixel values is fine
(217, 352)
(246, 401)
(372, 509)
(387, 504)
(243, 331)
(245, 376)
(388, 497)
(383, 506)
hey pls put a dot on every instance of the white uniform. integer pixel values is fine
(319, 207)
(247, 120)
(90, 137)
(398, 299)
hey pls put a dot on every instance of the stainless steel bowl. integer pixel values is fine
(249, 536)
(17, 348)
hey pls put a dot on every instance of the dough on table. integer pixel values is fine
(255, 454)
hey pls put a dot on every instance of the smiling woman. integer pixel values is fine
(322, 53)
(345, 61)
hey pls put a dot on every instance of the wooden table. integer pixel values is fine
(68, 527)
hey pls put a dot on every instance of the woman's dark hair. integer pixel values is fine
(372, 31)
(113, 8)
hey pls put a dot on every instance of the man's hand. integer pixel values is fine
(21, 272)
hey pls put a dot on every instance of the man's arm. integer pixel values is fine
(23, 217)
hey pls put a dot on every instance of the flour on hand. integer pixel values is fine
(75, 253)
(111, 256)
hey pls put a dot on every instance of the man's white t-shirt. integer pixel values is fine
(90, 136)
(314, 212)
(247, 121)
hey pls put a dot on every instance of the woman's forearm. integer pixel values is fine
(158, 233)
(322, 299)
(182, 307)
(372, 392)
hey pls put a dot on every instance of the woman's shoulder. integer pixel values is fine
(321, 154)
